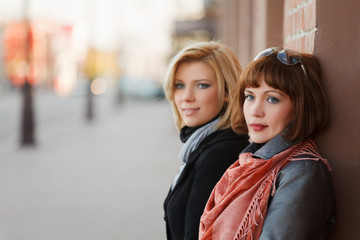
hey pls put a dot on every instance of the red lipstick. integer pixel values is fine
(257, 127)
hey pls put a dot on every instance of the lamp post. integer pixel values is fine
(27, 122)
(90, 63)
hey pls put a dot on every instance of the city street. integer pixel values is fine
(99, 180)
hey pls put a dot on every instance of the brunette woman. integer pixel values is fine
(198, 86)
(280, 188)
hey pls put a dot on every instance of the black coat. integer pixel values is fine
(185, 204)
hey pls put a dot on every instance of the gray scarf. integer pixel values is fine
(192, 144)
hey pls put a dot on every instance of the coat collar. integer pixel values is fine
(269, 149)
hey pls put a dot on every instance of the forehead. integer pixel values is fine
(263, 87)
(271, 79)
(193, 71)
(260, 85)
(253, 80)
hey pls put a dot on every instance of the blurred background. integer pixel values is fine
(88, 147)
(63, 45)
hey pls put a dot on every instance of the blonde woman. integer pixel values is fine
(198, 86)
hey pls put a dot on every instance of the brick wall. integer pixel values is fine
(300, 26)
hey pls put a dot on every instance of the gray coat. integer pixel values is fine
(303, 206)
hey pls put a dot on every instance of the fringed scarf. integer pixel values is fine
(237, 206)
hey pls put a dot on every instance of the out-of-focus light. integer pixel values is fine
(98, 86)
(65, 82)
(64, 85)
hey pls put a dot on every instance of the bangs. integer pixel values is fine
(275, 74)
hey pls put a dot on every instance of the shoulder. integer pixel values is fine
(222, 147)
(305, 165)
(315, 172)
(226, 136)
(303, 203)
(225, 142)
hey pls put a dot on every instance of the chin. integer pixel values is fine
(258, 140)
(191, 124)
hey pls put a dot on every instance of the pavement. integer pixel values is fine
(104, 180)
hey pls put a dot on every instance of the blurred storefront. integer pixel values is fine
(32, 51)
(54, 61)
(15, 38)
(3, 84)
(197, 28)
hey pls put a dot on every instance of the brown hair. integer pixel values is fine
(227, 70)
(304, 90)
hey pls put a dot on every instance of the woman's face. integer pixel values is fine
(267, 110)
(196, 93)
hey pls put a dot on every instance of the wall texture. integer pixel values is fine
(300, 25)
(337, 45)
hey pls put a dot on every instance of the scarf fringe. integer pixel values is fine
(309, 148)
(254, 211)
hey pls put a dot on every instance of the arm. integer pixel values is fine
(210, 166)
(303, 205)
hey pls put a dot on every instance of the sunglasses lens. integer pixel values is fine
(288, 57)
(264, 53)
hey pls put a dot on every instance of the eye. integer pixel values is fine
(179, 85)
(203, 85)
(249, 97)
(272, 100)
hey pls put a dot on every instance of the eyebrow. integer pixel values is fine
(195, 80)
(278, 92)
(268, 91)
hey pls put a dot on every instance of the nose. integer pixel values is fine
(188, 94)
(257, 109)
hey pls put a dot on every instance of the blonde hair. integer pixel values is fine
(304, 90)
(227, 71)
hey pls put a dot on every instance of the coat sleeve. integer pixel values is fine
(302, 207)
(209, 168)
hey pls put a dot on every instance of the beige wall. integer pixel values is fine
(274, 23)
(245, 30)
(249, 26)
(337, 45)
(331, 30)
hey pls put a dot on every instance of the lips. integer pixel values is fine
(190, 111)
(257, 126)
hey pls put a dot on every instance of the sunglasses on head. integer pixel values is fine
(286, 56)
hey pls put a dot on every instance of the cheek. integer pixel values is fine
(290, 116)
(211, 98)
(246, 111)
(290, 113)
(176, 97)
(286, 115)
(177, 104)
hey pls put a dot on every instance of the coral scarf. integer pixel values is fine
(237, 206)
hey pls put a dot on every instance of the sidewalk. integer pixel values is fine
(101, 181)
